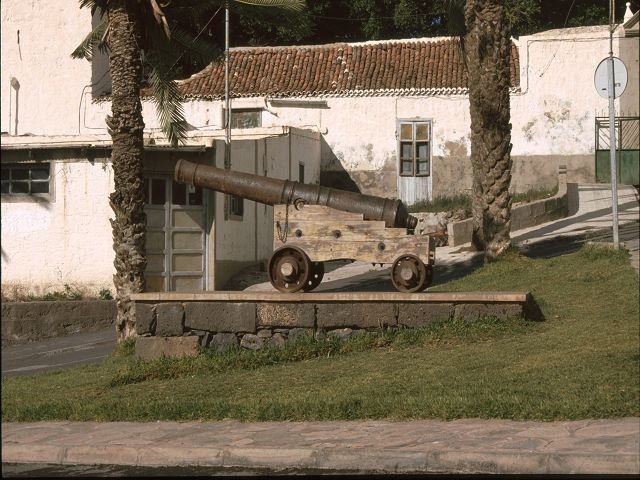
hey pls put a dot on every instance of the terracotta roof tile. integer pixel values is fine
(415, 66)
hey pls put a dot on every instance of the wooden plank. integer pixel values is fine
(348, 230)
(313, 212)
(365, 251)
(368, 297)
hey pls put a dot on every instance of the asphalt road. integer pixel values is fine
(58, 353)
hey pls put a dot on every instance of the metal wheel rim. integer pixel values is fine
(315, 276)
(303, 264)
(418, 282)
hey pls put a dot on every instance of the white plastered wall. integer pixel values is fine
(66, 240)
(37, 39)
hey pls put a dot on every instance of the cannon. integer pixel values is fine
(314, 224)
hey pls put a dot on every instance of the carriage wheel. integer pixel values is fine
(409, 274)
(289, 269)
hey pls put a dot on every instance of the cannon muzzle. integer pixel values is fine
(272, 191)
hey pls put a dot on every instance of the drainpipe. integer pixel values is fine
(227, 103)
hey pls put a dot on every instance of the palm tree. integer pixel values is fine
(137, 33)
(488, 48)
(484, 31)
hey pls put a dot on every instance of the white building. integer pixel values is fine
(386, 118)
(57, 175)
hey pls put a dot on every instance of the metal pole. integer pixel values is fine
(612, 130)
(227, 103)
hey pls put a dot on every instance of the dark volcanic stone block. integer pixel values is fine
(417, 315)
(151, 348)
(170, 319)
(502, 311)
(221, 317)
(286, 315)
(358, 315)
(223, 341)
(145, 318)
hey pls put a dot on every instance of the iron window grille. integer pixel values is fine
(25, 178)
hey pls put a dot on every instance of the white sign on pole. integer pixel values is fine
(601, 80)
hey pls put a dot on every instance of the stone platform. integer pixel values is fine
(177, 324)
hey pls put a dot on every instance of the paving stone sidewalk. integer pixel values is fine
(460, 446)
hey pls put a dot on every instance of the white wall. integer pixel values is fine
(37, 39)
(240, 243)
(67, 240)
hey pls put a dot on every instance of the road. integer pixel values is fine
(58, 353)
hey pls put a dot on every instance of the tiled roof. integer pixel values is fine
(409, 67)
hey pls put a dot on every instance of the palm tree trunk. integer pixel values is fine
(488, 47)
(126, 128)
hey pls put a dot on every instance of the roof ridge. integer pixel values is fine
(339, 44)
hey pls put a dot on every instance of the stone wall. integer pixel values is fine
(522, 216)
(176, 328)
(24, 322)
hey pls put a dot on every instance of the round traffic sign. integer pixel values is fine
(601, 78)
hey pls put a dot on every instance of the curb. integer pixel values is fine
(327, 459)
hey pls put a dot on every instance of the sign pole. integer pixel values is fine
(612, 131)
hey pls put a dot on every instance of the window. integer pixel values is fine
(301, 172)
(414, 148)
(246, 117)
(25, 178)
(236, 207)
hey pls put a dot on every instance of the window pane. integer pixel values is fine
(246, 118)
(5, 173)
(158, 194)
(406, 131)
(406, 150)
(19, 187)
(179, 195)
(5, 187)
(406, 167)
(40, 187)
(40, 173)
(195, 198)
(19, 173)
(422, 131)
(423, 167)
(236, 205)
(422, 150)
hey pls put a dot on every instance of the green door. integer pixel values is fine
(628, 166)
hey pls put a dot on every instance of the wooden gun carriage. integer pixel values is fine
(314, 224)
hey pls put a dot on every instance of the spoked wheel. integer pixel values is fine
(409, 274)
(289, 269)
(315, 277)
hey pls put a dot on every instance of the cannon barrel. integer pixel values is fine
(272, 191)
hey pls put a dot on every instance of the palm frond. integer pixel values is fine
(455, 17)
(196, 47)
(276, 12)
(94, 5)
(94, 39)
(292, 5)
(167, 99)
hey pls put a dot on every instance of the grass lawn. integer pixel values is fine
(582, 362)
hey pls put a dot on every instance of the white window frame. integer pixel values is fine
(414, 122)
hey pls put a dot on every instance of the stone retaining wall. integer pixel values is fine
(522, 216)
(24, 322)
(177, 328)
